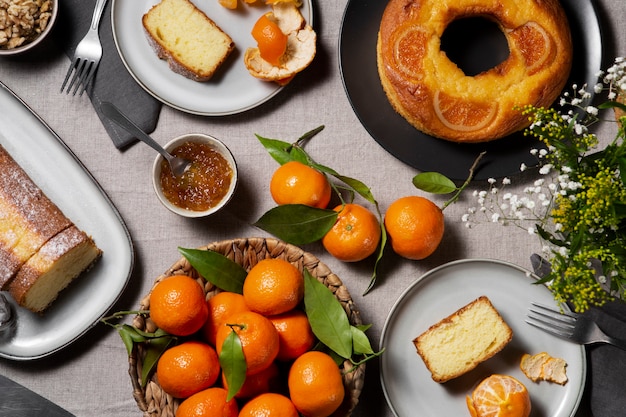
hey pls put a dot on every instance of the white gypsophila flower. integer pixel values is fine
(534, 151)
(544, 170)
(465, 217)
(506, 181)
(598, 88)
(531, 230)
(522, 167)
(495, 217)
(543, 152)
(491, 180)
(592, 110)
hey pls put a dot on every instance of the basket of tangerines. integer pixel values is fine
(247, 327)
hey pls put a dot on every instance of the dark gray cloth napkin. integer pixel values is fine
(112, 81)
(606, 364)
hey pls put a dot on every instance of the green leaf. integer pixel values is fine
(434, 182)
(127, 336)
(327, 317)
(296, 223)
(233, 363)
(216, 268)
(154, 350)
(358, 186)
(379, 256)
(278, 149)
(360, 342)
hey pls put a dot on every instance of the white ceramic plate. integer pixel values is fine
(407, 384)
(61, 176)
(231, 90)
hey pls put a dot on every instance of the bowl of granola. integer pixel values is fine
(25, 23)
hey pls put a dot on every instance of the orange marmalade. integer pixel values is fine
(204, 184)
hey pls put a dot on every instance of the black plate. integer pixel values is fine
(357, 56)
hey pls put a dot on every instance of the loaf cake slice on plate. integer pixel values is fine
(41, 250)
(192, 44)
(458, 343)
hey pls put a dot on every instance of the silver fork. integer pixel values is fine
(568, 325)
(87, 55)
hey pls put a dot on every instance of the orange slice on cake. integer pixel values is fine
(462, 114)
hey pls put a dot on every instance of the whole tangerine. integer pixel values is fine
(273, 286)
(210, 402)
(315, 384)
(355, 235)
(221, 305)
(268, 380)
(415, 226)
(269, 405)
(188, 368)
(297, 183)
(178, 306)
(294, 333)
(258, 336)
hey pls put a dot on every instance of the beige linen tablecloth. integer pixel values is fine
(89, 378)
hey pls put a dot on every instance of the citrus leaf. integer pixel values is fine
(434, 182)
(356, 185)
(379, 256)
(127, 337)
(216, 268)
(233, 363)
(283, 152)
(327, 317)
(278, 149)
(296, 223)
(360, 342)
(154, 350)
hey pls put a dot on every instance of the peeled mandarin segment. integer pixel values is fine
(462, 114)
(229, 4)
(535, 45)
(410, 50)
(272, 42)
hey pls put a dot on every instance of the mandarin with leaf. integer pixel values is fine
(297, 183)
(258, 336)
(355, 235)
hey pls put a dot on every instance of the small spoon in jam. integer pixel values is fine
(178, 165)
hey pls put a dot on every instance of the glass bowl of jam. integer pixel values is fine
(206, 186)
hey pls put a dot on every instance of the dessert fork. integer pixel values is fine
(575, 327)
(87, 55)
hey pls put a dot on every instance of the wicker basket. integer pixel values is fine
(154, 402)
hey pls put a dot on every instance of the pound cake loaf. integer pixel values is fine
(191, 43)
(28, 219)
(459, 342)
(41, 250)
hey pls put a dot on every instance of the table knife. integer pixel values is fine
(18, 401)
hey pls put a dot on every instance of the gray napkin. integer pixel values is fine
(606, 363)
(112, 82)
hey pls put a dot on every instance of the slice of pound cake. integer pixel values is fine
(41, 250)
(458, 343)
(191, 43)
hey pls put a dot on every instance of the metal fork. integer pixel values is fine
(568, 325)
(87, 55)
